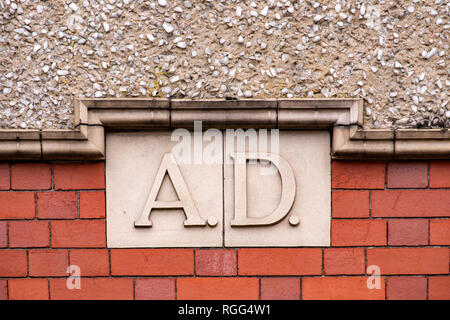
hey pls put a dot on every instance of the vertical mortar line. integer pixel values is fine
(48, 287)
(323, 261)
(427, 286)
(176, 288)
(259, 283)
(195, 262)
(385, 288)
(134, 288)
(301, 288)
(109, 258)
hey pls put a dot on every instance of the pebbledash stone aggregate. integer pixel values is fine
(392, 54)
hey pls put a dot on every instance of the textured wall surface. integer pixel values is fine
(394, 215)
(394, 54)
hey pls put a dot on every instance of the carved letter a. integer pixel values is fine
(169, 165)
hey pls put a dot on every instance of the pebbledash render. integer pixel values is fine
(345, 212)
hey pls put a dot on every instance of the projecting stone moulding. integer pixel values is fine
(343, 117)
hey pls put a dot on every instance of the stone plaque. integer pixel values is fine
(135, 163)
(218, 188)
(301, 188)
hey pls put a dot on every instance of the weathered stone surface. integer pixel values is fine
(133, 162)
(308, 221)
(156, 197)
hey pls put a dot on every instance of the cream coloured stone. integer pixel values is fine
(286, 206)
(307, 223)
(133, 160)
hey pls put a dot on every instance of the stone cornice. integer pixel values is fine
(344, 117)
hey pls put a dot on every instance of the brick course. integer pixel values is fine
(407, 174)
(393, 215)
(23, 234)
(406, 288)
(28, 289)
(155, 289)
(57, 205)
(30, 176)
(17, 205)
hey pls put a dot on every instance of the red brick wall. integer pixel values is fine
(393, 215)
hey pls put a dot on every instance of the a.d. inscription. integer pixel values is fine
(277, 197)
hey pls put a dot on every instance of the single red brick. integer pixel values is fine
(408, 232)
(409, 260)
(4, 176)
(3, 290)
(28, 234)
(407, 174)
(13, 263)
(155, 289)
(217, 262)
(280, 289)
(358, 175)
(280, 261)
(57, 205)
(439, 288)
(350, 204)
(440, 232)
(92, 204)
(358, 232)
(411, 203)
(79, 234)
(70, 176)
(92, 262)
(44, 263)
(31, 176)
(3, 234)
(341, 288)
(217, 288)
(440, 174)
(93, 289)
(152, 262)
(17, 205)
(344, 261)
(406, 288)
(28, 289)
